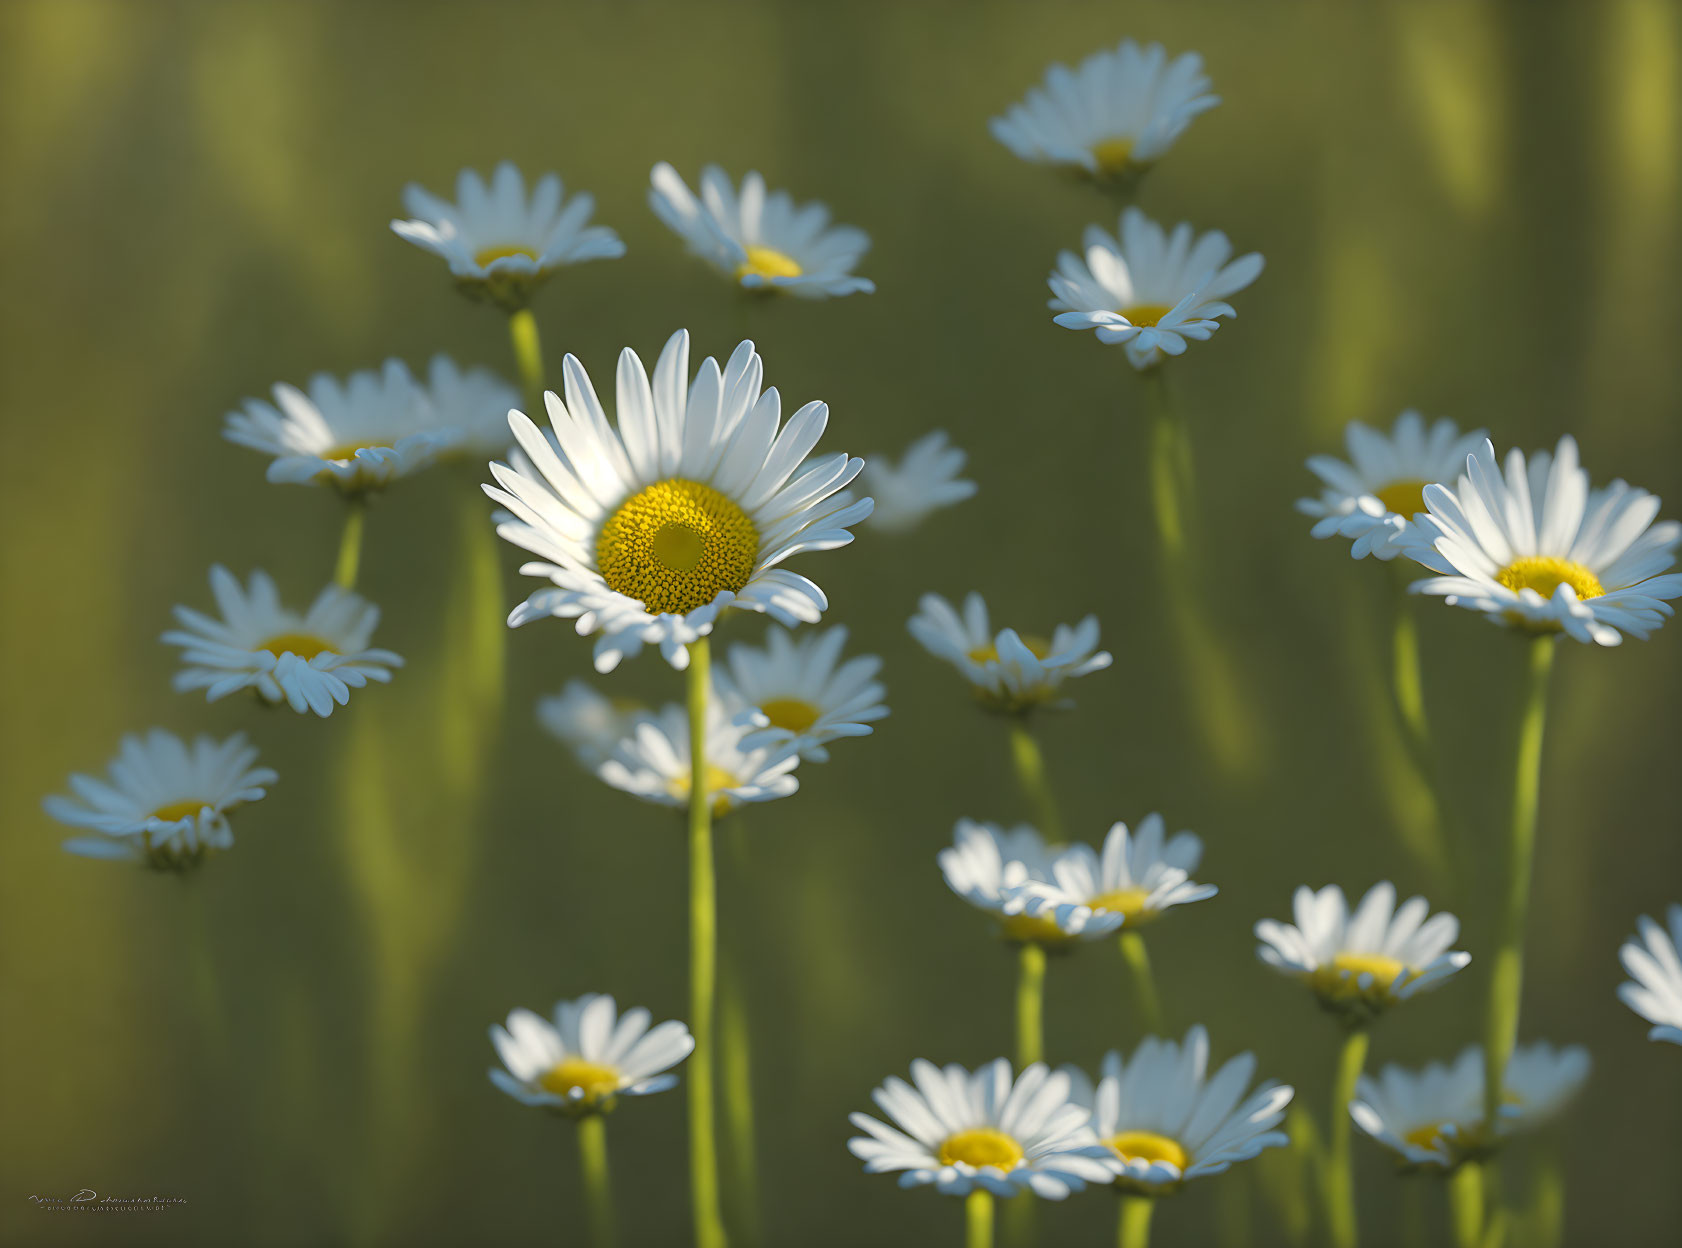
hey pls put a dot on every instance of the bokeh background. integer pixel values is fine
(1468, 208)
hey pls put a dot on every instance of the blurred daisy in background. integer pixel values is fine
(310, 661)
(989, 867)
(761, 240)
(1008, 671)
(1538, 549)
(1371, 497)
(1360, 964)
(1137, 877)
(962, 1131)
(588, 1057)
(1541, 1081)
(501, 244)
(163, 803)
(589, 723)
(359, 435)
(473, 403)
(1654, 962)
(923, 482)
(1430, 1118)
(1165, 1120)
(797, 694)
(653, 762)
(1149, 290)
(1118, 112)
(649, 531)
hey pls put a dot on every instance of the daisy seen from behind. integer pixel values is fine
(1007, 671)
(1654, 989)
(797, 694)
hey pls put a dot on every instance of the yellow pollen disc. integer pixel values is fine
(981, 1146)
(1149, 1146)
(303, 645)
(768, 262)
(1428, 1137)
(1113, 155)
(1145, 315)
(793, 714)
(1405, 498)
(1033, 929)
(675, 546)
(1544, 574)
(574, 1073)
(179, 810)
(1340, 977)
(718, 780)
(1125, 901)
(484, 258)
(348, 450)
(1039, 647)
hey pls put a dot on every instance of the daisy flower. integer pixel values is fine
(961, 1131)
(1431, 1118)
(1007, 672)
(1538, 550)
(588, 1058)
(1373, 495)
(924, 481)
(1117, 112)
(589, 723)
(650, 530)
(989, 867)
(360, 435)
(758, 239)
(163, 803)
(500, 244)
(310, 661)
(652, 761)
(1359, 964)
(1136, 879)
(474, 404)
(1164, 1120)
(1541, 1081)
(798, 695)
(1654, 962)
(1147, 289)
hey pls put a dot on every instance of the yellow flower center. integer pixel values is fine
(1428, 1137)
(1149, 1146)
(718, 780)
(173, 812)
(1405, 498)
(1033, 929)
(981, 1146)
(348, 450)
(1145, 315)
(571, 1074)
(1340, 977)
(1113, 155)
(675, 546)
(1039, 647)
(484, 258)
(768, 262)
(305, 646)
(1125, 901)
(1544, 574)
(792, 714)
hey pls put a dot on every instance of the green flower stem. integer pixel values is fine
(598, 1188)
(1030, 774)
(703, 962)
(1407, 691)
(1465, 1200)
(1507, 980)
(528, 357)
(1133, 1227)
(736, 1072)
(1341, 1226)
(978, 1219)
(1138, 960)
(1171, 472)
(349, 561)
(1030, 1006)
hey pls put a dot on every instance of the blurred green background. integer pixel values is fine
(1472, 209)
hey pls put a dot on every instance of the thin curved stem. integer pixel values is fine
(978, 1219)
(598, 1187)
(1138, 960)
(528, 358)
(1029, 762)
(1030, 1006)
(349, 562)
(703, 962)
(1133, 1225)
(1341, 1226)
(1439, 848)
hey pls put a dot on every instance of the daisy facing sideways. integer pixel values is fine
(760, 239)
(1137, 877)
(1007, 671)
(1149, 290)
(652, 761)
(589, 723)
(1371, 497)
(588, 1057)
(1654, 989)
(1534, 547)
(649, 530)
(991, 868)
(163, 803)
(797, 694)
(310, 661)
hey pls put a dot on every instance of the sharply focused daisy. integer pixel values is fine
(1117, 112)
(761, 240)
(1431, 1118)
(1008, 671)
(1359, 964)
(797, 694)
(1371, 497)
(1165, 1120)
(1537, 549)
(310, 661)
(989, 867)
(499, 243)
(359, 435)
(589, 723)
(653, 762)
(163, 802)
(924, 481)
(961, 1131)
(474, 403)
(589, 1057)
(1137, 877)
(1149, 290)
(651, 530)
(1654, 962)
